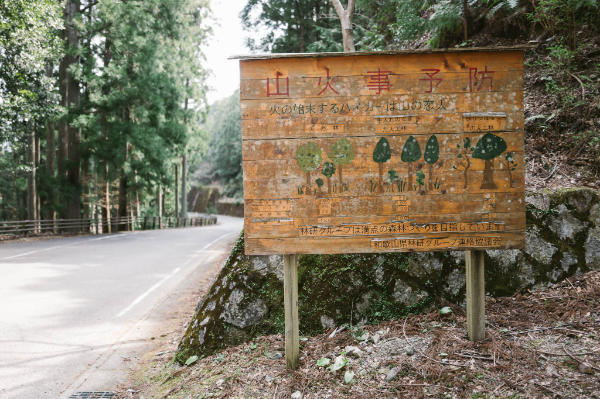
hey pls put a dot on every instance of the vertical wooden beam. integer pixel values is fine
(475, 295)
(290, 303)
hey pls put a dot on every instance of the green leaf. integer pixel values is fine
(348, 376)
(363, 337)
(324, 361)
(191, 360)
(340, 363)
(446, 310)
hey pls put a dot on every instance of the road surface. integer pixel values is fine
(74, 310)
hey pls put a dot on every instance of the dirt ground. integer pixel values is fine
(543, 344)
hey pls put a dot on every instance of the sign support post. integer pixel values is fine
(475, 295)
(290, 303)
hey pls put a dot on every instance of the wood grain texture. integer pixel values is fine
(290, 303)
(377, 153)
(475, 281)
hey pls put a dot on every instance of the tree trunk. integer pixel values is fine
(510, 180)
(122, 201)
(488, 175)
(184, 185)
(70, 137)
(31, 186)
(465, 20)
(329, 185)
(123, 187)
(340, 175)
(176, 189)
(106, 215)
(380, 177)
(410, 177)
(50, 155)
(159, 210)
(430, 177)
(307, 182)
(345, 16)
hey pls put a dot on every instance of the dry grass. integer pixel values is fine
(543, 344)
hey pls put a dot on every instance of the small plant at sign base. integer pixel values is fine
(348, 376)
(339, 363)
(191, 360)
(324, 361)
(446, 310)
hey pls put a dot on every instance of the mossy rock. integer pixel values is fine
(246, 299)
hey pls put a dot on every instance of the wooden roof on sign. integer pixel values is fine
(416, 150)
(267, 56)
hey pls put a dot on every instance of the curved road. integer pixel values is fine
(73, 310)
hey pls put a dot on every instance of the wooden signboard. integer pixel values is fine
(382, 152)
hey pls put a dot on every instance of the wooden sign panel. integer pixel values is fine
(411, 151)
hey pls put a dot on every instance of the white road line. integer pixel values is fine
(148, 291)
(59, 246)
(164, 279)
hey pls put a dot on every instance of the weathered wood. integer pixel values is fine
(401, 143)
(344, 65)
(461, 50)
(290, 303)
(475, 294)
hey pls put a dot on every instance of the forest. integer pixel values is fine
(103, 109)
(100, 104)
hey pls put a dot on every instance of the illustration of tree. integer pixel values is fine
(510, 167)
(381, 154)
(489, 147)
(341, 153)
(392, 176)
(320, 183)
(431, 156)
(328, 171)
(465, 159)
(410, 153)
(420, 179)
(309, 158)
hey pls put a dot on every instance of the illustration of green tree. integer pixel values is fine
(320, 183)
(328, 171)
(464, 155)
(341, 153)
(511, 166)
(309, 158)
(381, 154)
(392, 176)
(420, 179)
(411, 153)
(489, 147)
(431, 156)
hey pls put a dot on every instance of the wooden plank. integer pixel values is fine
(411, 63)
(495, 49)
(400, 243)
(475, 265)
(290, 303)
(341, 126)
(396, 104)
(315, 87)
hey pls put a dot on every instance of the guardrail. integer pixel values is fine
(99, 226)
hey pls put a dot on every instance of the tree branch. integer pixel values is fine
(338, 8)
(350, 9)
(90, 5)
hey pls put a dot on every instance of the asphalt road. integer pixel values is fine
(73, 310)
